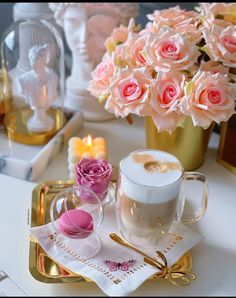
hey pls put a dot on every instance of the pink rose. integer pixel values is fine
(148, 28)
(182, 21)
(134, 50)
(214, 67)
(119, 36)
(101, 77)
(167, 91)
(208, 97)
(170, 50)
(95, 175)
(118, 57)
(221, 44)
(190, 30)
(129, 93)
(171, 16)
(221, 14)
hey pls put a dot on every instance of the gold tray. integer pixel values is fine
(41, 266)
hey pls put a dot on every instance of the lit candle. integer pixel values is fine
(85, 148)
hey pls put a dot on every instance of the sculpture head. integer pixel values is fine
(39, 57)
(87, 25)
(75, 27)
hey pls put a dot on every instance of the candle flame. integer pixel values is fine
(89, 141)
(44, 90)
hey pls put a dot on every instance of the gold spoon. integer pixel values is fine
(154, 262)
(175, 276)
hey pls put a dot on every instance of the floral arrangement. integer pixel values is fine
(181, 64)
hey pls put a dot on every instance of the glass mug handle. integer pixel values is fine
(196, 177)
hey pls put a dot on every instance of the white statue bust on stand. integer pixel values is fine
(86, 27)
(39, 88)
(31, 33)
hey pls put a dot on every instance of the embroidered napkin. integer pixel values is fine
(117, 270)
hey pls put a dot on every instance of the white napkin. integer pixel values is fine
(119, 282)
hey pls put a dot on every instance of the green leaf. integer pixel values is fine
(206, 50)
(188, 88)
(103, 97)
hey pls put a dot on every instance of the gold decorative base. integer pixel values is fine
(5, 107)
(188, 143)
(6, 102)
(15, 123)
(45, 269)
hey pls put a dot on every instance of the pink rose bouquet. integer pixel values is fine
(183, 64)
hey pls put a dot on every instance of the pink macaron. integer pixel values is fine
(76, 223)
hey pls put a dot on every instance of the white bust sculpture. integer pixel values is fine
(86, 27)
(39, 88)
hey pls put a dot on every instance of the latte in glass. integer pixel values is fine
(148, 193)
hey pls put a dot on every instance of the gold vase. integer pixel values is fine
(188, 143)
(226, 153)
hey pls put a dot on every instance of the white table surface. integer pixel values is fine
(214, 259)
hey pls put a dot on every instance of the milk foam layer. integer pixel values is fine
(150, 187)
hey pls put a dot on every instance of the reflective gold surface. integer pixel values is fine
(188, 144)
(6, 104)
(44, 268)
(226, 154)
(17, 131)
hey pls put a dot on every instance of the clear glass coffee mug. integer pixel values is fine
(150, 196)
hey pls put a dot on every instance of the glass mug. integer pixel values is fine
(150, 196)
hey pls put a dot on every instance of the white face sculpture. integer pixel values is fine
(39, 58)
(86, 30)
(75, 26)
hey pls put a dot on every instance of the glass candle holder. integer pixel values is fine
(32, 58)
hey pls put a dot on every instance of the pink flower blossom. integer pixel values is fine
(170, 50)
(220, 14)
(134, 50)
(190, 30)
(101, 77)
(214, 67)
(221, 44)
(167, 91)
(171, 16)
(119, 36)
(208, 97)
(130, 93)
(95, 175)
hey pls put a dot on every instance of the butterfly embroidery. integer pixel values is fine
(114, 266)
